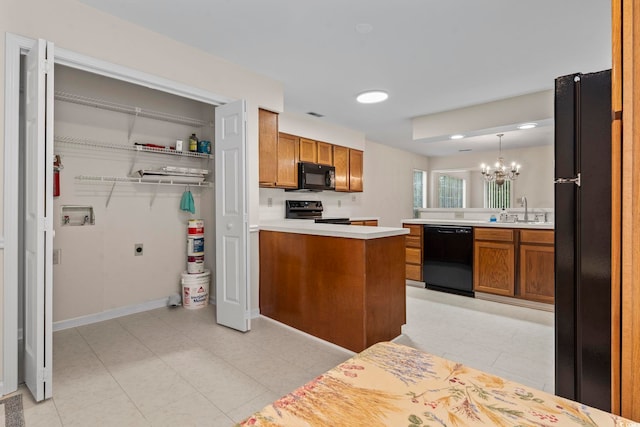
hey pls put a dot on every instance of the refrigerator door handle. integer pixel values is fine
(575, 180)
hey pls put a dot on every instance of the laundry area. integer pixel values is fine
(122, 170)
(133, 207)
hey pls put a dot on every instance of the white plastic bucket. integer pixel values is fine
(195, 246)
(195, 264)
(195, 228)
(195, 290)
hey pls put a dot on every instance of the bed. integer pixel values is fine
(390, 384)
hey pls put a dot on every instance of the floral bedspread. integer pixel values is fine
(394, 385)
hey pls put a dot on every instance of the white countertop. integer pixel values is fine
(303, 226)
(481, 223)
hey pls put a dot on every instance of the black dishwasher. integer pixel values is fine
(448, 259)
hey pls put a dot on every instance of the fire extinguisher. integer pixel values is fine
(57, 167)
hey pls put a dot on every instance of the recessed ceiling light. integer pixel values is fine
(372, 96)
(456, 136)
(527, 126)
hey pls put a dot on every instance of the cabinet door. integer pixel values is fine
(413, 252)
(371, 223)
(308, 150)
(355, 170)
(287, 172)
(537, 280)
(268, 147)
(341, 163)
(325, 153)
(494, 268)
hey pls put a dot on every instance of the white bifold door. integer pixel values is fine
(232, 228)
(38, 209)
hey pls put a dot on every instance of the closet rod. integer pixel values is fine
(127, 109)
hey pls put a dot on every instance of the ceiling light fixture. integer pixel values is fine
(527, 126)
(500, 173)
(372, 96)
(456, 136)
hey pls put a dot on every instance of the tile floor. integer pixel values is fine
(170, 367)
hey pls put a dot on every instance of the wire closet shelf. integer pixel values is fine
(128, 109)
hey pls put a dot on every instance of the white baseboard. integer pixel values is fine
(109, 314)
(255, 313)
(516, 301)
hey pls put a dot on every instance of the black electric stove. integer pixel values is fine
(310, 209)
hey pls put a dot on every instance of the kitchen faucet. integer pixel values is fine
(523, 202)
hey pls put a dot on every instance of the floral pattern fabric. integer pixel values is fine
(393, 385)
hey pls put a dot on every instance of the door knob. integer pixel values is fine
(229, 226)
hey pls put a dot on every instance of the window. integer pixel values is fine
(451, 192)
(497, 196)
(419, 189)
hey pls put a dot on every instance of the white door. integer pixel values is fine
(232, 228)
(38, 217)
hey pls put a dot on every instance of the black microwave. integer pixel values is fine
(312, 176)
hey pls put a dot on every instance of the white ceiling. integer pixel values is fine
(430, 55)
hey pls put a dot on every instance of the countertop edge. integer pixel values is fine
(478, 223)
(334, 230)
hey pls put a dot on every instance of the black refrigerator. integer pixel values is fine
(583, 238)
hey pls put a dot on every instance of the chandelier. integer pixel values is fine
(500, 173)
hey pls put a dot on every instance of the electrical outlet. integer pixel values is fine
(138, 249)
(57, 256)
(339, 203)
(269, 202)
(353, 198)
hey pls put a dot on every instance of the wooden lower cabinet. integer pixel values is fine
(413, 252)
(494, 267)
(515, 263)
(537, 271)
(350, 292)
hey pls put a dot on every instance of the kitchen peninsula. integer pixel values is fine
(341, 283)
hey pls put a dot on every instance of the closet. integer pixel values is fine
(97, 123)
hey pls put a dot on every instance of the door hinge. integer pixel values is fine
(45, 224)
(44, 375)
(46, 64)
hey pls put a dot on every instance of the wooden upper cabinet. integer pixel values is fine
(268, 147)
(308, 150)
(355, 170)
(341, 163)
(325, 153)
(287, 171)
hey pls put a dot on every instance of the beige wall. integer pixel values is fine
(535, 181)
(79, 28)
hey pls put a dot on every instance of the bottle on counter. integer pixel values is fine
(193, 142)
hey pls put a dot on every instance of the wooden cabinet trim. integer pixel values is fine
(414, 229)
(494, 234)
(414, 272)
(414, 255)
(537, 236)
